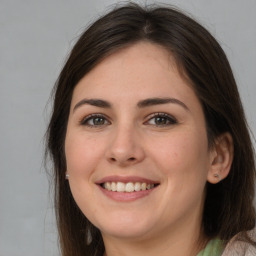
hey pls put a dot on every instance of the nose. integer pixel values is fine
(125, 147)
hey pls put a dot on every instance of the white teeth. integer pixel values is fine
(107, 185)
(113, 186)
(127, 187)
(137, 186)
(143, 186)
(120, 187)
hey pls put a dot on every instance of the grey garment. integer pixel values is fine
(236, 247)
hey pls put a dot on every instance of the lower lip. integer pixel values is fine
(126, 196)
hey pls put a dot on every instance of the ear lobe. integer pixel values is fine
(221, 158)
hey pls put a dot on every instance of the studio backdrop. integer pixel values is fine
(35, 38)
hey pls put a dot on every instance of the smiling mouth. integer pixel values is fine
(128, 186)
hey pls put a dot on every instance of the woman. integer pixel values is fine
(151, 150)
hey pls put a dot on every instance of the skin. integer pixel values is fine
(128, 141)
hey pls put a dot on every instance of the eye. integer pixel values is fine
(95, 120)
(161, 119)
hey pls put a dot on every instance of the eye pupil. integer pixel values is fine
(160, 120)
(98, 121)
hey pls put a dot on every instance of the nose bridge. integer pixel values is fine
(125, 145)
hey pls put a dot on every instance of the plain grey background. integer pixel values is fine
(35, 38)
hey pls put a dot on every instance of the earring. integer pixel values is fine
(67, 176)
(216, 175)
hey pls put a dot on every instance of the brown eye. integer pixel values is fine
(161, 119)
(98, 121)
(95, 121)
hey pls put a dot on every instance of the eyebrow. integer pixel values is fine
(93, 102)
(159, 101)
(141, 104)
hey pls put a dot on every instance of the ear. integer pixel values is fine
(221, 158)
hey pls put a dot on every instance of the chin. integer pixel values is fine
(126, 228)
(126, 233)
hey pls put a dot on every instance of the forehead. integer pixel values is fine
(138, 71)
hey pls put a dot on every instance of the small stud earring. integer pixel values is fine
(216, 175)
(67, 176)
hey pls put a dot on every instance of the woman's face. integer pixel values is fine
(137, 127)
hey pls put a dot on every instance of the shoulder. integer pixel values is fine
(239, 247)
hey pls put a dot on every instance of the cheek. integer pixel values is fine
(182, 156)
(181, 160)
(82, 154)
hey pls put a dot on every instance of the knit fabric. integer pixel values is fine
(237, 247)
(213, 248)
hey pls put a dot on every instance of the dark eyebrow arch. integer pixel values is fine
(141, 104)
(94, 102)
(158, 101)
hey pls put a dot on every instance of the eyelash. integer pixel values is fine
(93, 117)
(168, 119)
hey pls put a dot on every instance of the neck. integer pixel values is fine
(182, 242)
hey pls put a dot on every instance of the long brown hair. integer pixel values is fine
(228, 207)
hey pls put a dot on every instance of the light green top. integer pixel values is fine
(214, 248)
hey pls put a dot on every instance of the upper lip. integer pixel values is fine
(126, 179)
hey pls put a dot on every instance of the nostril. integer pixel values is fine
(120, 160)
